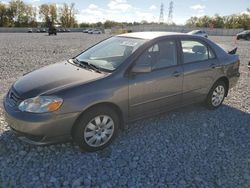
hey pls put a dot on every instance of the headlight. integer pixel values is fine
(41, 104)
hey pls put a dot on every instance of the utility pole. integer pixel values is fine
(170, 13)
(161, 18)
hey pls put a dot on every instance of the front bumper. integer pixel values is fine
(39, 129)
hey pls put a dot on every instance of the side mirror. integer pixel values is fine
(141, 68)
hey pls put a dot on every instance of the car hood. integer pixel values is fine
(52, 78)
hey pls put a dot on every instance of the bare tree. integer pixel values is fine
(67, 15)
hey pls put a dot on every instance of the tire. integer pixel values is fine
(215, 101)
(85, 133)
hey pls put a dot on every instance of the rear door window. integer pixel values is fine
(194, 51)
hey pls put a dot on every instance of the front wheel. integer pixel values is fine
(216, 95)
(96, 129)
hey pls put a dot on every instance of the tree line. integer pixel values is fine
(217, 21)
(110, 24)
(17, 13)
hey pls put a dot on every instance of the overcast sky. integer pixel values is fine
(135, 10)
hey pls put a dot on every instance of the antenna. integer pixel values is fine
(170, 13)
(161, 18)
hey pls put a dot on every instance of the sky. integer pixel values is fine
(149, 10)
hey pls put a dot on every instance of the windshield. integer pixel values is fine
(111, 53)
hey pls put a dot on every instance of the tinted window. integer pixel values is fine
(211, 54)
(194, 51)
(166, 55)
(145, 58)
(160, 55)
(154, 48)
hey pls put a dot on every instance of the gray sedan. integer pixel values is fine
(119, 80)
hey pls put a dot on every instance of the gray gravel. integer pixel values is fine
(190, 147)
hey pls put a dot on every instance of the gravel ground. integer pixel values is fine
(190, 147)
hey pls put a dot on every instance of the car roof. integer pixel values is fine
(150, 35)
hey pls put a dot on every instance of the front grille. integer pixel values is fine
(14, 98)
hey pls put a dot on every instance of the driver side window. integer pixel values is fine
(145, 59)
(161, 55)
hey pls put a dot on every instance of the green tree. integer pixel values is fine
(48, 12)
(110, 24)
(67, 15)
(218, 21)
(191, 22)
(3, 15)
(32, 13)
(19, 13)
(84, 25)
(232, 21)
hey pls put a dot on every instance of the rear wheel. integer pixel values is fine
(216, 95)
(96, 129)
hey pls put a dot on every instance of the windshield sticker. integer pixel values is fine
(129, 43)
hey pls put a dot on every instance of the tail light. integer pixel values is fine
(238, 63)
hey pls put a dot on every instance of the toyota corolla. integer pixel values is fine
(119, 80)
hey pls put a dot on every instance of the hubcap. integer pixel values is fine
(218, 95)
(99, 131)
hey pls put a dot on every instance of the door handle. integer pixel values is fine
(176, 74)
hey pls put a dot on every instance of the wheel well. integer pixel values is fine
(107, 104)
(226, 81)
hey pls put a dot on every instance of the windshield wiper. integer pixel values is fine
(76, 61)
(87, 64)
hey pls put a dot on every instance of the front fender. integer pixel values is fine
(81, 98)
